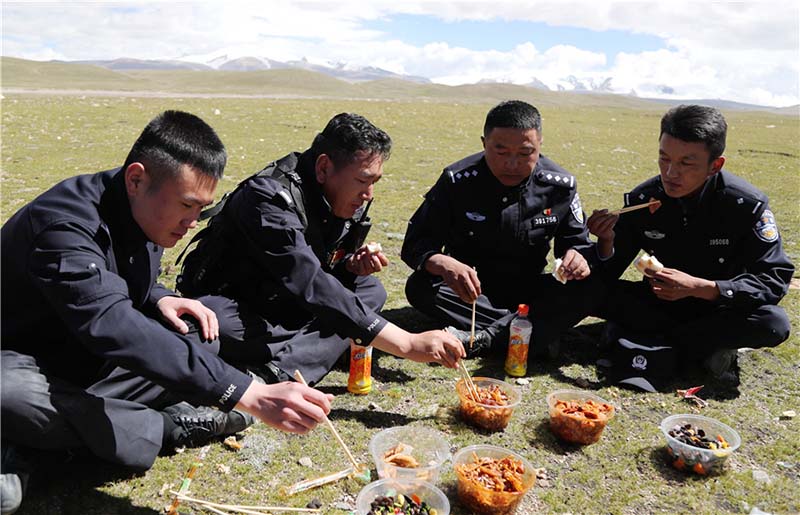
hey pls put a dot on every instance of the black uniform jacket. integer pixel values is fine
(725, 234)
(500, 230)
(79, 293)
(285, 269)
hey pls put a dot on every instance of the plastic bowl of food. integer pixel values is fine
(699, 444)
(399, 496)
(577, 416)
(495, 403)
(492, 480)
(409, 452)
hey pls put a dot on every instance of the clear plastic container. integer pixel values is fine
(428, 447)
(426, 492)
(696, 459)
(576, 427)
(487, 416)
(479, 499)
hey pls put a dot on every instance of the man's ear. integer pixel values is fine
(716, 165)
(136, 179)
(483, 142)
(323, 167)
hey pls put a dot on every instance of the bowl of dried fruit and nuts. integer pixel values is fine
(577, 416)
(401, 496)
(699, 444)
(409, 452)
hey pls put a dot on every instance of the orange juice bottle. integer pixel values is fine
(360, 380)
(518, 343)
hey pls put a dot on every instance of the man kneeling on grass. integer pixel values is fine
(96, 354)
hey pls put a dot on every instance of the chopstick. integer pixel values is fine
(244, 508)
(472, 329)
(634, 208)
(300, 379)
(471, 388)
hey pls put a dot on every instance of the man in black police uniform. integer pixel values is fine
(493, 215)
(95, 353)
(717, 237)
(284, 266)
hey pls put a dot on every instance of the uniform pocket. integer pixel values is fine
(83, 274)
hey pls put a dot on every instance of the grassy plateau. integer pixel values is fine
(610, 144)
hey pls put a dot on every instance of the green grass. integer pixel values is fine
(609, 147)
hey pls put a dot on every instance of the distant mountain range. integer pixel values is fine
(340, 70)
(261, 75)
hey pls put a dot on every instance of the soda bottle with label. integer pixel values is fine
(360, 380)
(518, 343)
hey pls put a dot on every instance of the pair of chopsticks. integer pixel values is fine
(471, 388)
(655, 203)
(224, 509)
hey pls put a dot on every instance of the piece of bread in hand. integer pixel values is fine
(558, 271)
(374, 247)
(647, 262)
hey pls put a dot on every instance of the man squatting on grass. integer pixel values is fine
(282, 265)
(483, 233)
(714, 232)
(95, 353)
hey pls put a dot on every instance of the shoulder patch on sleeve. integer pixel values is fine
(576, 208)
(556, 178)
(766, 229)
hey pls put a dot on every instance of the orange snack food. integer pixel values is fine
(579, 421)
(491, 485)
(491, 410)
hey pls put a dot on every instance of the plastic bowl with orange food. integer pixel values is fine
(492, 480)
(493, 408)
(577, 416)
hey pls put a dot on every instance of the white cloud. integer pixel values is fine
(747, 52)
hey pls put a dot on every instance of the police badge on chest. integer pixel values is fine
(546, 218)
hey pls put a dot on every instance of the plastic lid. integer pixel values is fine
(522, 310)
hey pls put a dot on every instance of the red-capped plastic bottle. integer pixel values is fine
(518, 343)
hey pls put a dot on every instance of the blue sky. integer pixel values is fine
(746, 51)
(504, 35)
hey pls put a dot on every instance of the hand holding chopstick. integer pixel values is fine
(356, 466)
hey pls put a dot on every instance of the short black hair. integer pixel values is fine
(697, 124)
(347, 134)
(513, 114)
(176, 138)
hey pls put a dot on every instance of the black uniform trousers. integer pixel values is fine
(697, 325)
(554, 307)
(117, 417)
(289, 340)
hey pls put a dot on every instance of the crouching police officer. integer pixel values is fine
(493, 215)
(95, 353)
(725, 268)
(284, 265)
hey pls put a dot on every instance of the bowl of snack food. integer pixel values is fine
(409, 452)
(492, 480)
(577, 416)
(490, 405)
(401, 496)
(699, 444)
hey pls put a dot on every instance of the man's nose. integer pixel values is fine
(672, 171)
